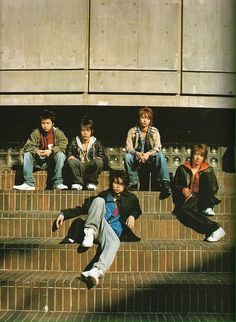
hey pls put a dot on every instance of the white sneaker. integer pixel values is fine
(76, 186)
(208, 212)
(24, 186)
(88, 238)
(91, 186)
(93, 275)
(61, 186)
(216, 235)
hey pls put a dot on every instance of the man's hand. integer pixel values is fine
(186, 192)
(39, 152)
(59, 221)
(46, 153)
(71, 157)
(130, 222)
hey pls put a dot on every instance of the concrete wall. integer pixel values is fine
(117, 52)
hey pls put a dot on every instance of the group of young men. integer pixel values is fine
(112, 214)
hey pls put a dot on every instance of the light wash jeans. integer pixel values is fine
(30, 163)
(158, 167)
(106, 236)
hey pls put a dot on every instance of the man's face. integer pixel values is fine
(85, 133)
(144, 120)
(118, 185)
(46, 125)
(197, 158)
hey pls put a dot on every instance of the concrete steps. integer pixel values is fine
(10, 177)
(149, 226)
(118, 292)
(118, 317)
(36, 254)
(171, 275)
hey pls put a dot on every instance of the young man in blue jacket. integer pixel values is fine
(111, 218)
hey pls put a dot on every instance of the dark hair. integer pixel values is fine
(46, 114)
(146, 110)
(118, 174)
(88, 123)
(201, 148)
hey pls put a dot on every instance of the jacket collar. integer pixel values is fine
(203, 166)
(91, 142)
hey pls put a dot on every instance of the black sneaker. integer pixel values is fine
(165, 190)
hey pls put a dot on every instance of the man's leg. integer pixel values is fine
(28, 166)
(92, 171)
(129, 164)
(76, 169)
(110, 243)
(160, 171)
(190, 217)
(59, 159)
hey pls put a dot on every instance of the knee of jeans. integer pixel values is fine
(28, 155)
(60, 156)
(99, 202)
(128, 157)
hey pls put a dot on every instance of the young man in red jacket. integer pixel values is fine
(193, 192)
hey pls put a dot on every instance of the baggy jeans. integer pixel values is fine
(31, 163)
(106, 236)
(158, 167)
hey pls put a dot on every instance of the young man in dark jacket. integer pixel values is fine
(193, 192)
(45, 149)
(111, 217)
(86, 157)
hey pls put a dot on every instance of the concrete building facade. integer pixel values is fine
(162, 53)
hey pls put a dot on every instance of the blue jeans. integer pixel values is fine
(157, 163)
(106, 236)
(55, 162)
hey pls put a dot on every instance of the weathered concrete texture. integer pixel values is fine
(72, 51)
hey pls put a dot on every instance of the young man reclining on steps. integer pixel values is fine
(111, 218)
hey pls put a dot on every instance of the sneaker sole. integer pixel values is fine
(93, 280)
(24, 189)
(215, 240)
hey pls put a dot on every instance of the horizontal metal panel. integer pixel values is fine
(134, 81)
(41, 81)
(125, 100)
(42, 34)
(208, 35)
(134, 34)
(209, 83)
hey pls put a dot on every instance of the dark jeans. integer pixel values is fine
(84, 172)
(190, 216)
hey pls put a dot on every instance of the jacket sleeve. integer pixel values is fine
(135, 209)
(129, 141)
(71, 149)
(100, 151)
(156, 142)
(78, 210)
(32, 143)
(215, 186)
(61, 142)
(177, 186)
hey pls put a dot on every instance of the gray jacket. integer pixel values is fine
(153, 137)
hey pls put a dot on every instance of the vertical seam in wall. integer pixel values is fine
(180, 45)
(87, 49)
